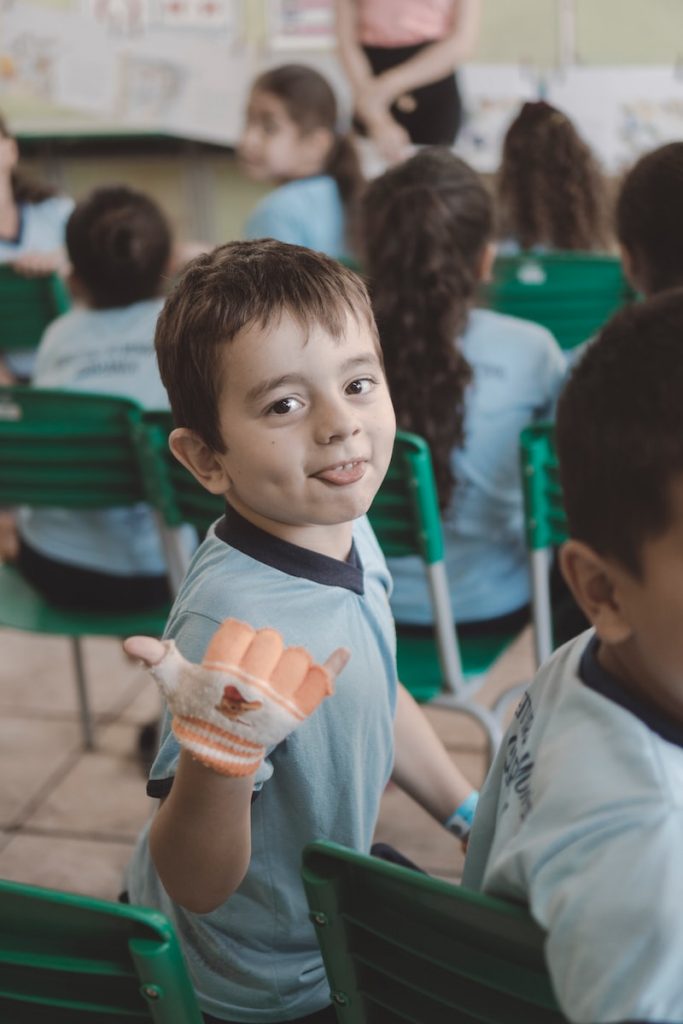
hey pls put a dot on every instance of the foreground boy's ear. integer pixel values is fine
(595, 587)
(202, 461)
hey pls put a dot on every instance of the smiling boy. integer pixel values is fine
(270, 356)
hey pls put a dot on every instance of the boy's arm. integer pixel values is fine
(422, 765)
(200, 839)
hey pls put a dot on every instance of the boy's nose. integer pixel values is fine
(335, 422)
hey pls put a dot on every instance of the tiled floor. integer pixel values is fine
(68, 818)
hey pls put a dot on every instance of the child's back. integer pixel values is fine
(119, 244)
(468, 380)
(291, 139)
(581, 817)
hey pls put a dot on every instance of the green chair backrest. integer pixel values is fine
(68, 449)
(545, 519)
(172, 489)
(572, 294)
(69, 959)
(401, 946)
(28, 305)
(405, 513)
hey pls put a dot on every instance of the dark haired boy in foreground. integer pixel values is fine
(581, 817)
(269, 353)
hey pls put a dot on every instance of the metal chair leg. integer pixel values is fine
(83, 702)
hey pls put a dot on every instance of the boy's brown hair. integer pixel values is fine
(234, 287)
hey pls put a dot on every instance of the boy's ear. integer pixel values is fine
(630, 265)
(195, 455)
(488, 258)
(595, 587)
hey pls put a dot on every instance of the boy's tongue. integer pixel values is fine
(347, 473)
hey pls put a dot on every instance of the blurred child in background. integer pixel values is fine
(550, 191)
(32, 224)
(290, 138)
(119, 244)
(467, 380)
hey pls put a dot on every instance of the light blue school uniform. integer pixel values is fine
(42, 227)
(518, 369)
(581, 820)
(108, 351)
(307, 212)
(256, 958)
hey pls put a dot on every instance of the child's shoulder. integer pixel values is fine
(489, 325)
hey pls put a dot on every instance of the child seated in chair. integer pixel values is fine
(581, 817)
(270, 356)
(466, 380)
(119, 244)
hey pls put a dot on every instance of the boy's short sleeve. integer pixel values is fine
(612, 905)
(275, 219)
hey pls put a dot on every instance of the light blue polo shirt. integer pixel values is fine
(41, 228)
(256, 958)
(306, 212)
(518, 370)
(581, 820)
(106, 351)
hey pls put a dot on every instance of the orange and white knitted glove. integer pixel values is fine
(249, 692)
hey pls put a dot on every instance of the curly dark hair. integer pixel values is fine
(25, 189)
(426, 226)
(550, 190)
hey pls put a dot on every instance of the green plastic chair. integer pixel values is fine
(28, 305)
(405, 516)
(545, 524)
(399, 946)
(76, 451)
(69, 959)
(572, 294)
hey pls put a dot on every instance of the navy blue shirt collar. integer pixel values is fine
(597, 678)
(251, 540)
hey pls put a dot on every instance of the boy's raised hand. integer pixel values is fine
(248, 694)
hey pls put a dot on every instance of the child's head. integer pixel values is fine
(24, 188)
(119, 245)
(620, 447)
(270, 358)
(550, 190)
(650, 220)
(291, 131)
(427, 226)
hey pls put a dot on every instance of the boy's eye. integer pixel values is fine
(361, 386)
(285, 405)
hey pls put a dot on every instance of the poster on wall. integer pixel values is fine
(301, 24)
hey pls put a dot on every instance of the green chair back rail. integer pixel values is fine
(75, 451)
(28, 305)
(69, 959)
(399, 946)
(545, 524)
(572, 294)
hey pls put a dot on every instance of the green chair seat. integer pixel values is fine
(399, 946)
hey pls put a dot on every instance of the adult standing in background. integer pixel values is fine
(400, 57)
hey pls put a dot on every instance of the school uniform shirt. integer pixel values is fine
(41, 228)
(108, 351)
(518, 370)
(256, 957)
(307, 212)
(581, 819)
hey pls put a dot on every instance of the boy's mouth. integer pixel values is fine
(342, 473)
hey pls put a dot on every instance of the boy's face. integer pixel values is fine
(309, 428)
(652, 606)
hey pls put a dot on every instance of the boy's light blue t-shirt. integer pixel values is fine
(256, 958)
(305, 212)
(109, 351)
(518, 370)
(41, 228)
(581, 820)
